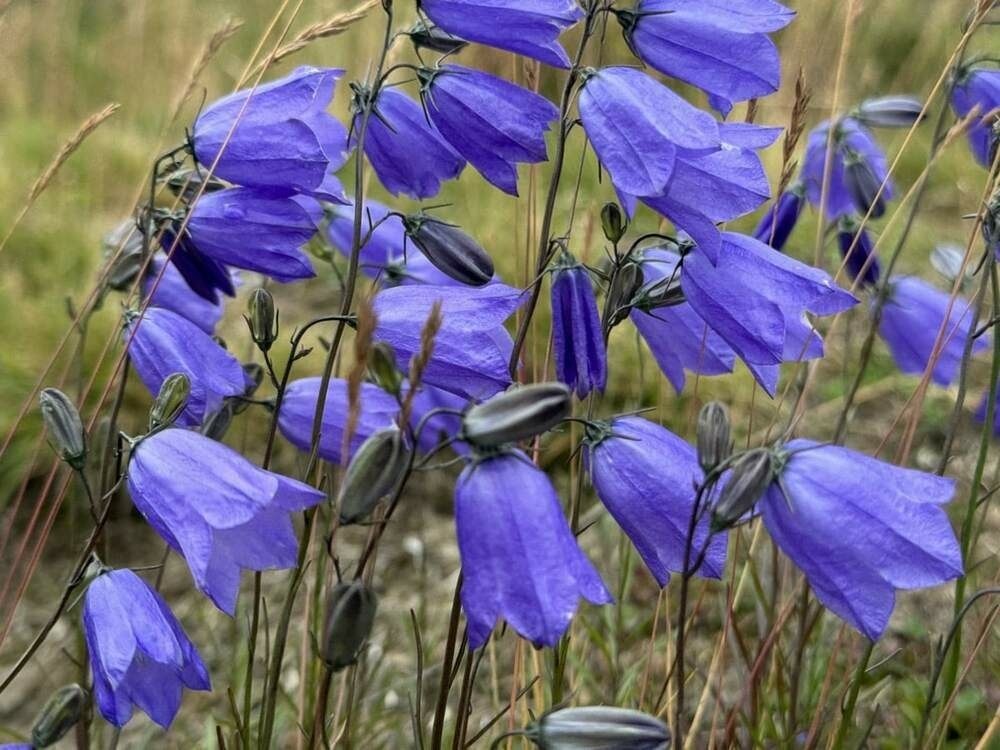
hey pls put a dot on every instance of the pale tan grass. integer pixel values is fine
(223, 34)
(333, 26)
(62, 156)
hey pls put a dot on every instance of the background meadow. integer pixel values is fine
(61, 61)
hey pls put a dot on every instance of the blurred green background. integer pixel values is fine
(63, 60)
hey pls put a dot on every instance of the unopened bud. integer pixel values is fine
(124, 244)
(890, 112)
(751, 476)
(948, 260)
(613, 222)
(382, 368)
(865, 188)
(217, 424)
(599, 727)
(170, 402)
(450, 250)
(991, 223)
(262, 319)
(714, 443)
(664, 292)
(434, 38)
(350, 614)
(373, 473)
(517, 414)
(66, 433)
(624, 285)
(60, 714)
(187, 184)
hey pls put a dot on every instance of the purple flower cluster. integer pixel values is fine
(701, 298)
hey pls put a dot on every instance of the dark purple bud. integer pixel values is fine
(62, 711)
(577, 336)
(350, 614)
(262, 319)
(65, 428)
(778, 223)
(890, 111)
(170, 402)
(613, 222)
(714, 441)
(518, 414)
(864, 186)
(857, 248)
(383, 370)
(599, 727)
(436, 39)
(451, 250)
(624, 285)
(750, 478)
(373, 473)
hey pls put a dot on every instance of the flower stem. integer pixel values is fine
(847, 714)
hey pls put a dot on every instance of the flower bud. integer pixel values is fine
(516, 415)
(714, 443)
(890, 111)
(864, 186)
(186, 184)
(664, 292)
(382, 368)
(947, 260)
(217, 424)
(124, 243)
(373, 473)
(599, 727)
(613, 222)
(350, 614)
(991, 223)
(434, 38)
(62, 711)
(624, 285)
(170, 402)
(66, 433)
(450, 250)
(749, 480)
(262, 319)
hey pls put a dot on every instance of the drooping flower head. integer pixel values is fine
(979, 88)
(407, 153)
(646, 477)
(377, 411)
(640, 157)
(858, 179)
(161, 343)
(756, 300)
(777, 224)
(471, 351)
(139, 653)
(718, 187)
(915, 314)
(527, 27)
(520, 560)
(206, 277)
(677, 337)
(720, 46)
(577, 337)
(860, 529)
(256, 230)
(165, 287)
(278, 135)
(492, 123)
(218, 510)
